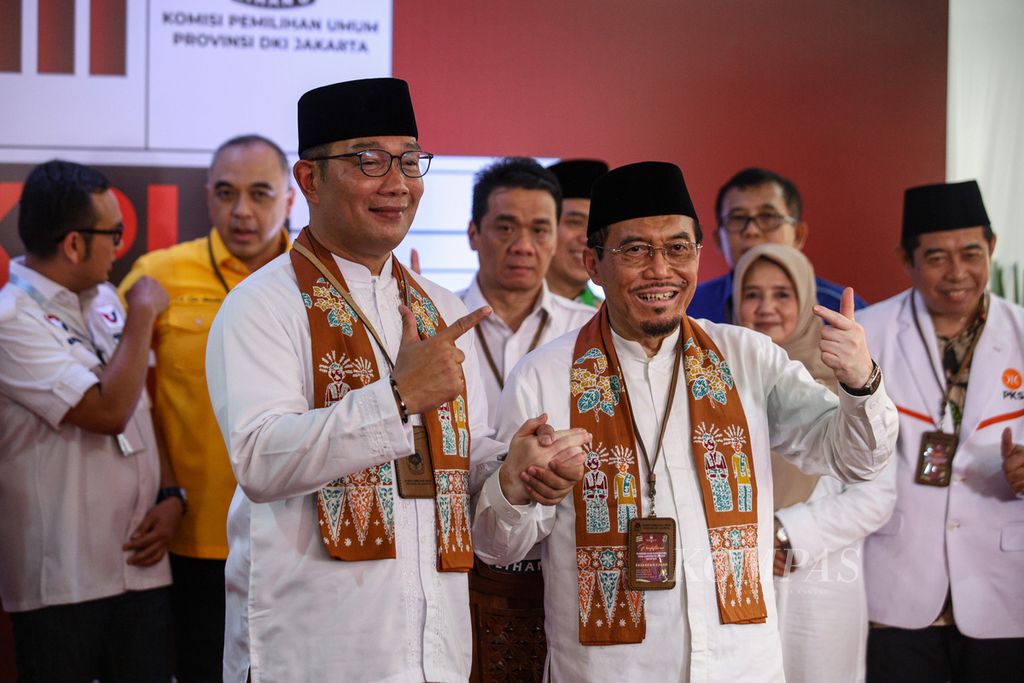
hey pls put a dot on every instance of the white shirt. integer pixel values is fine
(786, 412)
(69, 498)
(507, 347)
(294, 614)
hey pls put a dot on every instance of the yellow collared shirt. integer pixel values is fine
(182, 412)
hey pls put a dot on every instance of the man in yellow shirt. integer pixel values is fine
(249, 199)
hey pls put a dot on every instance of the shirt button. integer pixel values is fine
(199, 321)
(953, 525)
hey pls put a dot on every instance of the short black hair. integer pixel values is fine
(57, 199)
(254, 139)
(513, 172)
(910, 243)
(755, 177)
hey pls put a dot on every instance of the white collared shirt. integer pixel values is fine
(508, 347)
(786, 411)
(69, 498)
(292, 612)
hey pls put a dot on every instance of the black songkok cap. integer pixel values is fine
(577, 176)
(649, 188)
(355, 109)
(945, 206)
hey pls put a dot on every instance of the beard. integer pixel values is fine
(661, 328)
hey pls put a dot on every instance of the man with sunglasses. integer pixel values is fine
(756, 206)
(351, 422)
(83, 518)
(248, 197)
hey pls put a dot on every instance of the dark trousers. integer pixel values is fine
(198, 602)
(939, 654)
(123, 638)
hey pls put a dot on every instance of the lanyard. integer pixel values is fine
(213, 264)
(490, 358)
(318, 264)
(664, 423)
(76, 333)
(945, 387)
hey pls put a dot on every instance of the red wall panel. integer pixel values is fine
(848, 98)
(10, 35)
(56, 37)
(107, 37)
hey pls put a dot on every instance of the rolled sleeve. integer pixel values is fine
(44, 374)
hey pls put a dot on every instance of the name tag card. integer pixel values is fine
(935, 460)
(414, 474)
(652, 553)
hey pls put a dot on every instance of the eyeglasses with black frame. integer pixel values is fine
(117, 232)
(766, 221)
(376, 163)
(640, 253)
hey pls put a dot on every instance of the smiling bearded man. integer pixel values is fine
(695, 409)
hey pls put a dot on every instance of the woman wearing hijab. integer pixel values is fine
(820, 523)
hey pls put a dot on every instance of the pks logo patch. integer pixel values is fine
(1013, 381)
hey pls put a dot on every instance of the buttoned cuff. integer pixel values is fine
(394, 438)
(506, 512)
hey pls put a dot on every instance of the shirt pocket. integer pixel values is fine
(183, 337)
(1011, 539)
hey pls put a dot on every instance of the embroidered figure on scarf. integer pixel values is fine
(453, 507)
(596, 391)
(337, 369)
(461, 426)
(708, 374)
(625, 488)
(715, 467)
(444, 413)
(740, 468)
(595, 493)
(328, 299)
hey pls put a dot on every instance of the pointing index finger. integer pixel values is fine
(464, 324)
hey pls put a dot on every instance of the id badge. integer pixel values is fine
(652, 553)
(414, 474)
(935, 460)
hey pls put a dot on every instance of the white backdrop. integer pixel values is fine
(985, 131)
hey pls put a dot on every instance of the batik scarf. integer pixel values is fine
(608, 495)
(356, 512)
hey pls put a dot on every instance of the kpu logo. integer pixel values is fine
(276, 4)
(55, 34)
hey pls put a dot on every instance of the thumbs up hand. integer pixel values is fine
(1013, 462)
(843, 346)
(428, 372)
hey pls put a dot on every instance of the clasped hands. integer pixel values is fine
(542, 464)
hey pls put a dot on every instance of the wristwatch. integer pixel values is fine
(172, 492)
(874, 379)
